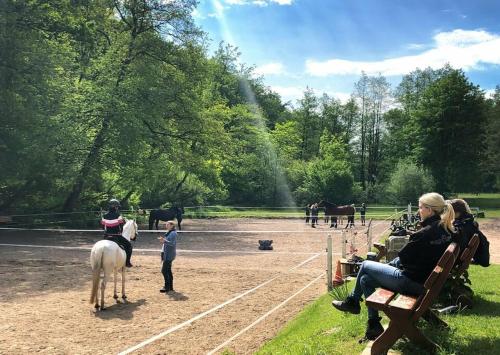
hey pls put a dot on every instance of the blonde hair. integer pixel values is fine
(439, 206)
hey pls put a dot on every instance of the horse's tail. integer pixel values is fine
(151, 219)
(96, 261)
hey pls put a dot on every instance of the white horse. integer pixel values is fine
(109, 257)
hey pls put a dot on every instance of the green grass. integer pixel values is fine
(489, 203)
(483, 201)
(319, 329)
(375, 212)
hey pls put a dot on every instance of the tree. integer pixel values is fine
(490, 164)
(308, 121)
(450, 120)
(329, 176)
(140, 24)
(408, 182)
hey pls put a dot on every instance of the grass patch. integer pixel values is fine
(375, 212)
(490, 203)
(319, 329)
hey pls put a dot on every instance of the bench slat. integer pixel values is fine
(380, 296)
(431, 280)
(404, 302)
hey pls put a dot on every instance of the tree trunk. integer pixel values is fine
(99, 140)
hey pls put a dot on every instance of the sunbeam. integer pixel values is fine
(286, 197)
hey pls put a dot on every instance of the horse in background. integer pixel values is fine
(334, 211)
(107, 255)
(155, 216)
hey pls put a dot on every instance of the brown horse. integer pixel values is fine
(335, 211)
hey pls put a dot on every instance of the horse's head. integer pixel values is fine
(321, 203)
(130, 230)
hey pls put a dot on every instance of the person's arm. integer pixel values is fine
(170, 239)
(412, 249)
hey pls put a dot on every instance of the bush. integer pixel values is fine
(408, 182)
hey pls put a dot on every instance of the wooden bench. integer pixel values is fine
(404, 311)
(461, 265)
(466, 257)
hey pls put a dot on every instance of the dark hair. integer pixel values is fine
(460, 206)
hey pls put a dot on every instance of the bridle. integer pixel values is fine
(136, 233)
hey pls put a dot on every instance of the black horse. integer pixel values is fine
(156, 216)
(335, 211)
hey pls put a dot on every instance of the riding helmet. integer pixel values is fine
(114, 203)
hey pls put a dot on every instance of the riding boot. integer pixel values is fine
(128, 251)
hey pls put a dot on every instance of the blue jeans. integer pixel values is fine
(373, 274)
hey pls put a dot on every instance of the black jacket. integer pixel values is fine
(421, 254)
(466, 229)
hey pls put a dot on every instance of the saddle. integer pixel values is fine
(112, 237)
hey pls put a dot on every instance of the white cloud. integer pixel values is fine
(261, 3)
(270, 69)
(489, 93)
(218, 8)
(197, 14)
(460, 48)
(294, 93)
(415, 46)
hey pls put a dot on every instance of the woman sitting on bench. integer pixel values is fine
(406, 273)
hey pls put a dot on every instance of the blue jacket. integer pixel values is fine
(169, 245)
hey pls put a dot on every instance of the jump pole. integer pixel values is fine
(344, 241)
(329, 262)
(369, 235)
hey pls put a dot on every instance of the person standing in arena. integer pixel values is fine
(168, 253)
(362, 212)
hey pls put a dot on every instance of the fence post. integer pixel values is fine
(344, 241)
(329, 262)
(369, 236)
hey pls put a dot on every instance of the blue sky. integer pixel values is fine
(325, 44)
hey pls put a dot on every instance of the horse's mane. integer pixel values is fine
(327, 203)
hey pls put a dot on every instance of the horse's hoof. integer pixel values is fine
(124, 297)
(103, 308)
(115, 297)
(96, 306)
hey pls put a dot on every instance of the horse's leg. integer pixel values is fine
(96, 305)
(103, 287)
(124, 296)
(115, 276)
(156, 223)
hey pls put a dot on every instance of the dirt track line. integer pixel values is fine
(258, 320)
(157, 250)
(314, 231)
(201, 315)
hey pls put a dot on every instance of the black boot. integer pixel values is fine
(374, 329)
(349, 305)
(127, 262)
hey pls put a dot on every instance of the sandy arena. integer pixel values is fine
(223, 284)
